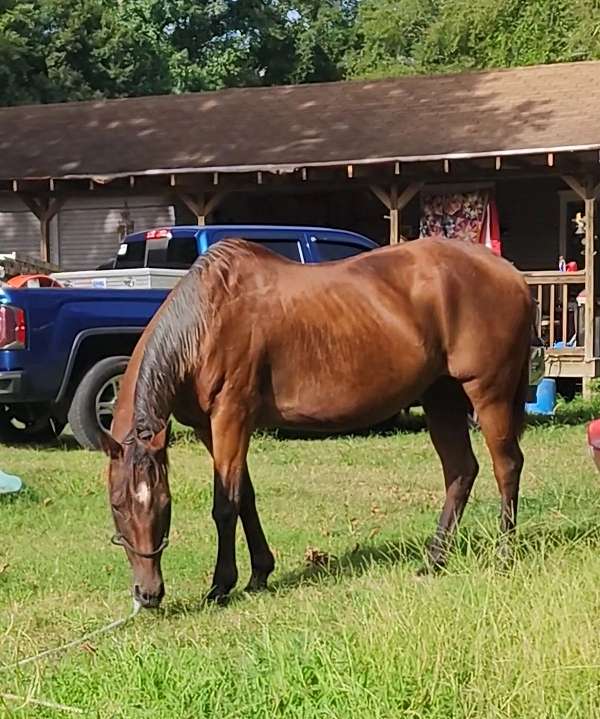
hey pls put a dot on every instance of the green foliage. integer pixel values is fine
(57, 50)
(424, 36)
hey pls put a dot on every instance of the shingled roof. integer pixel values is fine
(535, 109)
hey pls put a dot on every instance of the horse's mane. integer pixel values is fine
(171, 351)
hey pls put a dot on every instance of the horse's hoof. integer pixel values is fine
(218, 596)
(256, 584)
(430, 568)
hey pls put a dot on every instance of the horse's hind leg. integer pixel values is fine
(446, 407)
(501, 429)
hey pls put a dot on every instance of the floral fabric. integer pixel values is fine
(458, 216)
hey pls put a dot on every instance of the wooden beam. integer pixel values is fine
(213, 202)
(413, 189)
(45, 210)
(575, 185)
(395, 203)
(382, 195)
(201, 205)
(585, 189)
(195, 205)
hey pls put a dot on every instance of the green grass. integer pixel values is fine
(363, 638)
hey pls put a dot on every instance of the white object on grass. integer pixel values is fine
(9, 483)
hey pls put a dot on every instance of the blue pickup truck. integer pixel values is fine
(63, 351)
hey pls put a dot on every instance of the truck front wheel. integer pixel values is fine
(93, 404)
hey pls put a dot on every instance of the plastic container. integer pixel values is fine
(545, 398)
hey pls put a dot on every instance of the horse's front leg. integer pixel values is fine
(230, 440)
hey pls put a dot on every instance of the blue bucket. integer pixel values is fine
(545, 399)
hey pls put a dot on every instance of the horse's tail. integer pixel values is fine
(521, 398)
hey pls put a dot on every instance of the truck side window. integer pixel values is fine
(336, 250)
(179, 253)
(287, 248)
(182, 253)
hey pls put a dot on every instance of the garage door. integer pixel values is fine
(88, 234)
(19, 229)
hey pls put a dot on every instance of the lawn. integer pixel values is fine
(362, 638)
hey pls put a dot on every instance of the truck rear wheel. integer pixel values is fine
(94, 401)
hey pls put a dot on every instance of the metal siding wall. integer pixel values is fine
(19, 228)
(88, 229)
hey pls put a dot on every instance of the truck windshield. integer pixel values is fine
(178, 253)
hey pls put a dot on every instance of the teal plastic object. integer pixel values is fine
(9, 483)
(545, 401)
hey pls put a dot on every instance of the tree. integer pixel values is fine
(57, 50)
(389, 36)
(424, 36)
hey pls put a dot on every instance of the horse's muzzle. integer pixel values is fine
(148, 600)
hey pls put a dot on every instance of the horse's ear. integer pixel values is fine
(160, 441)
(110, 446)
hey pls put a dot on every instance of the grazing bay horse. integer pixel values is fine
(248, 339)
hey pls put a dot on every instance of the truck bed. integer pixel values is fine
(58, 320)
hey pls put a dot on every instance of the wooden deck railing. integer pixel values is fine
(560, 319)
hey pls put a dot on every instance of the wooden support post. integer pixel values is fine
(395, 204)
(394, 216)
(591, 282)
(589, 192)
(44, 209)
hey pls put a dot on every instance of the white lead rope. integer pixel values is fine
(76, 642)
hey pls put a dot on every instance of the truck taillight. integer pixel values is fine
(13, 328)
(162, 233)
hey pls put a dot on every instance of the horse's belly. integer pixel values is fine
(324, 399)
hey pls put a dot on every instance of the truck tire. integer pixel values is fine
(94, 399)
(28, 424)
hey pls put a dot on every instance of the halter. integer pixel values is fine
(121, 541)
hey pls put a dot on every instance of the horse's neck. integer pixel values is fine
(152, 409)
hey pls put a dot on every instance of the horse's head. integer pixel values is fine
(141, 506)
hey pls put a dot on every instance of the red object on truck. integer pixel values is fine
(21, 281)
